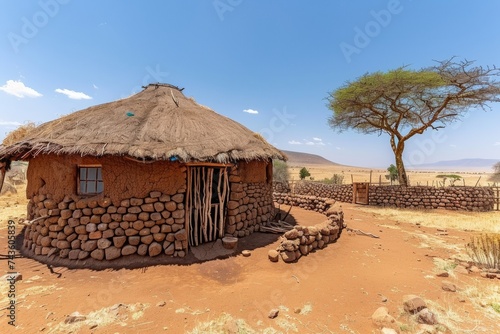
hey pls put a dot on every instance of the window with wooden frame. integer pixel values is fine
(90, 180)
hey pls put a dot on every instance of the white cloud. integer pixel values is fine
(338, 148)
(453, 145)
(73, 95)
(251, 111)
(497, 143)
(18, 89)
(320, 143)
(7, 123)
(95, 86)
(317, 139)
(309, 143)
(294, 142)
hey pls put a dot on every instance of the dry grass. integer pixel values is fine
(362, 174)
(484, 250)
(488, 222)
(116, 314)
(223, 324)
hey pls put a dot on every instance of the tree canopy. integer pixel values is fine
(303, 173)
(404, 102)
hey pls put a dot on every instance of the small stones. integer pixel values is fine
(461, 270)
(103, 243)
(381, 317)
(288, 256)
(448, 286)
(97, 254)
(427, 317)
(413, 304)
(112, 253)
(442, 273)
(273, 255)
(74, 317)
(154, 249)
(273, 313)
(129, 250)
(246, 253)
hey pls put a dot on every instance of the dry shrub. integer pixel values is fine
(18, 134)
(484, 250)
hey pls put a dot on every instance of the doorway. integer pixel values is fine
(207, 194)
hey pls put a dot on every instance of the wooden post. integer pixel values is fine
(188, 207)
(354, 190)
(371, 171)
(498, 198)
(380, 180)
(477, 181)
(352, 179)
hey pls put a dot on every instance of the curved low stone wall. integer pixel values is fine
(301, 240)
(312, 203)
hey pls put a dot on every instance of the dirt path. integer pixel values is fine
(335, 290)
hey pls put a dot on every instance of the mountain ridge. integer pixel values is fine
(302, 158)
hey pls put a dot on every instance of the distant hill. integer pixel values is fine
(299, 158)
(483, 164)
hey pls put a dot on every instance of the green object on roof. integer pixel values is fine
(130, 114)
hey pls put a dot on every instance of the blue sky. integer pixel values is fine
(266, 64)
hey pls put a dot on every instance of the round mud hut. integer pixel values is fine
(155, 173)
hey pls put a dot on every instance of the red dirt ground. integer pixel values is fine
(337, 288)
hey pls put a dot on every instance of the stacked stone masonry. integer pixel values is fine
(302, 240)
(250, 204)
(312, 203)
(419, 197)
(79, 228)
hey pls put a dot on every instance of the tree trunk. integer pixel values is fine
(398, 153)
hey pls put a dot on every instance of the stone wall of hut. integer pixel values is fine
(78, 228)
(251, 199)
(131, 216)
(127, 218)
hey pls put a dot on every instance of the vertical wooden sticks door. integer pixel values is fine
(207, 193)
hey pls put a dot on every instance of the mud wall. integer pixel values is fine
(251, 200)
(421, 197)
(57, 175)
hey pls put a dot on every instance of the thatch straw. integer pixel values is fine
(159, 123)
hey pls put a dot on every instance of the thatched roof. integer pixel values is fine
(159, 123)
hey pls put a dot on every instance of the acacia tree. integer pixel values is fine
(405, 102)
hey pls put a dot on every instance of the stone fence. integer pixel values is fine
(420, 197)
(301, 240)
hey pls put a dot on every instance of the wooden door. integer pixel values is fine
(360, 192)
(207, 194)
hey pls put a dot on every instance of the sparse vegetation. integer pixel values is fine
(335, 179)
(452, 178)
(484, 250)
(303, 173)
(393, 173)
(280, 171)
